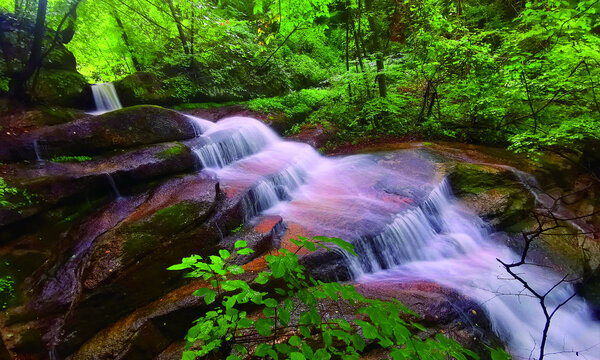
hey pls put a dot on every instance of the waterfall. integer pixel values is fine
(113, 186)
(36, 149)
(105, 97)
(440, 242)
(405, 224)
(230, 140)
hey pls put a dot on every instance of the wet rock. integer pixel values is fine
(48, 183)
(126, 266)
(140, 88)
(261, 236)
(121, 129)
(63, 88)
(441, 310)
(316, 136)
(495, 194)
(148, 330)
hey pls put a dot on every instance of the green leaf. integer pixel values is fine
(240, 244)
(209, 297)
(499, 354)
(369, 331)
(269, 302)
(245, 251)
(297, 356)
(304, 331)
(224, 254)
(284, 316)
(396, 354)
(295, 341)
(261, 350)
(179, 267)
(263, 326)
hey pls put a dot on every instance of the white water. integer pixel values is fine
(370, 200)
(36, 149)
(113, 186)
(105, 97)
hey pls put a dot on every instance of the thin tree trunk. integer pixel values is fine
(376, 47)
(182, 37)
(18, 87)
(192, 33)
(348, 46)
(359, 51)
(134, 59)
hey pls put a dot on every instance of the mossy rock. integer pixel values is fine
(140, 88)
(171, 152)
(495, 194)
(62, 88)
(121, 129)
(144, 236)
(60, 59)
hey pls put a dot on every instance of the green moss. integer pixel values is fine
(143, 236)
(58, 115)
(70, 158)
(170, 152)
(475, 179)
(61, 87)
(13, 198)
(137, 244)
(7, 291)
(206, 105)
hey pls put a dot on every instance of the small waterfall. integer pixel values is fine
(232, 139)
(113, 185)
(415, 235)
(273, 189)
(200, 125)
(105, 97)
(381, 203)
(440, 242)
(36, 149)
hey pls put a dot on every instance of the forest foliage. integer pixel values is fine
(517, 73)
(290, 305)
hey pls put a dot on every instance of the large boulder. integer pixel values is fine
(496, 194)
(62, 88)
(140, 88)
(121, 129)
(38, 187)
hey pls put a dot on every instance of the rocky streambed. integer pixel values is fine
(96, 208)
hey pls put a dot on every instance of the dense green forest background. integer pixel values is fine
(516, 73)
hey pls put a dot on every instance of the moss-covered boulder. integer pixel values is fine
(33, 188)
(496, 194)
(60, 59)
(125, 128)
(140, 88)
(62, 88)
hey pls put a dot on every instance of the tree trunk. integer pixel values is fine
(182, 37)
(348, 46)
(376, 48)
(134, 59)
(19, 79)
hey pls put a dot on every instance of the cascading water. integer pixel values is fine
(113, 186)
(105, 97)
(36, 150)
(404, 223)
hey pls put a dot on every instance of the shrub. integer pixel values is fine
(229, 331)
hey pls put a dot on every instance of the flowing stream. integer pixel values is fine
(404, 222)
(105, 97)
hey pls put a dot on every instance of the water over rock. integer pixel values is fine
(96, 286)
